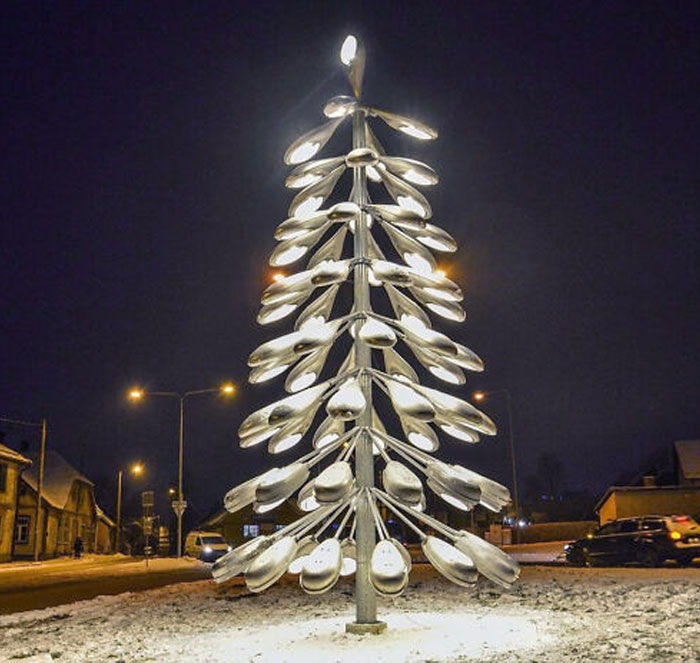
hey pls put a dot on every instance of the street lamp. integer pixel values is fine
(479, 396)
(137, 394)
(136, 469)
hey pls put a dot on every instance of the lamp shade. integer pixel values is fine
(311, 172)
(239, 559)
(348, 402)
(409, 402)
(415, 172)
(402, 484)
(305, 499)
(321, 568)
(305, 547)
(334, 483)
(271, 564)
(348, 549)
(340, 106)
(491, 561)
(405, 195)
(396, 365)
(321, 307)
(451, 562)
(328, 432)
(310, 199)
(420, 434)
(387, 571)
(280, 483)
(306, 146)
(377, 334)
(406, 125)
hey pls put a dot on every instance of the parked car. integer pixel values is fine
(647, 540)
(207, 546)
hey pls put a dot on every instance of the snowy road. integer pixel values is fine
(28, 586)
(553, 615)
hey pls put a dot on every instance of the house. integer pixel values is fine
(245, 524)
(688, 457)
(627, 501)
(12, 464)
(68, 510)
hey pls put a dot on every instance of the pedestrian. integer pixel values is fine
(77, 547)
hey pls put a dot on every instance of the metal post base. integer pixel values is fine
(373, 628)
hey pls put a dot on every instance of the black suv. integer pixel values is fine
(647, 540)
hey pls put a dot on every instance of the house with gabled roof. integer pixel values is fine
(68, 510)
(688, 455)
(12, 464)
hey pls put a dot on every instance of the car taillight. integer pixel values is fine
(675, 536)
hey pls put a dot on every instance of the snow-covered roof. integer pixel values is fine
(103, 516)
(11, 454)
(689, 458)
(642, 489)
(59, 476)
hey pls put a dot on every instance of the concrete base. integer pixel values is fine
(373, 628)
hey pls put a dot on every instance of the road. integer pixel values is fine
(55, 582)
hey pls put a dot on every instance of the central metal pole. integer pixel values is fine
(181, 452)
(365, 598)
(119, 513)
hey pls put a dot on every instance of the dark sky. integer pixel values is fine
(142, 153)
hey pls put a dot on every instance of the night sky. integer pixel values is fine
(142, 179)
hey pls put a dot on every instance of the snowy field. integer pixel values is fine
(552, 615)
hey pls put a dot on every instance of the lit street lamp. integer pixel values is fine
(226, 389)
(136, 470)
(480, 396)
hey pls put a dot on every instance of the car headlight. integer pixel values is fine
(229, 549)
(207, 549)
(567, 547)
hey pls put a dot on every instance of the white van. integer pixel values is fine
(207, 546)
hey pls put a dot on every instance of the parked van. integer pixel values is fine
(207, 546)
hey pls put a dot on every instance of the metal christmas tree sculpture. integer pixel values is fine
(338, 499)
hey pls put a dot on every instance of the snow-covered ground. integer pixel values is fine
(552, 615)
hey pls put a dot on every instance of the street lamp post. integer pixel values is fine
(136, 469)
(226, 389)
(38, 538)
(480, 396)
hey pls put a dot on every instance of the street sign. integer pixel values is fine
(179, 507)
(148, 498)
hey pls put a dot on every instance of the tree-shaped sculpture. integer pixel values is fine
(352, 427)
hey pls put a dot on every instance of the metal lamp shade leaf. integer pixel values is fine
(449, 561)
(436, 238)
(314, 335)
(403, 552)
(242, 495)
(296, 405)
(408, 402)
(270, 565)
(331, 249)
(376, 333)
(413, 253)
(494, 496)
(289, 435)
(415, 172)
(352, 54)
(390, 272)
(292, 227)
(387, 571)
(281, 483)
(399, 216)
(361, 157)
(419, 434)
(270, 351)
(310, 199)
(406, 125)
(446, 496)
(405, 195)
(425, 337)
(329, 272)
(396, 365)
(334, 483)
(402, 484)
(328, 432)
(456, 408)
(308, 145)
(467, 359)
(305, 547)
(340, 106)
(307, 371)
(375, 144)
(491, 561)
(270, 314)
(239, 559)
(464, 488)
(457, 428)
(452, 311)
(305, 499)
(291, 250)
(321, 307)
(264, 373)
(347, 403)
(309, 173)
(321, 569)
(438, 366)
(405, 308)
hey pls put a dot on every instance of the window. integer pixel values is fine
(198, 541)
(652, 525)
(250, 531)
(3, 477)
(22, 531)
(607, 529)
(627, 526)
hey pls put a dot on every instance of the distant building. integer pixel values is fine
(245, 524)
(681, 498)
(11, 465)
(688, 455)
(68, 510)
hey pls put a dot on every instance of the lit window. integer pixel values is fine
(251, 531)
(22, 531)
